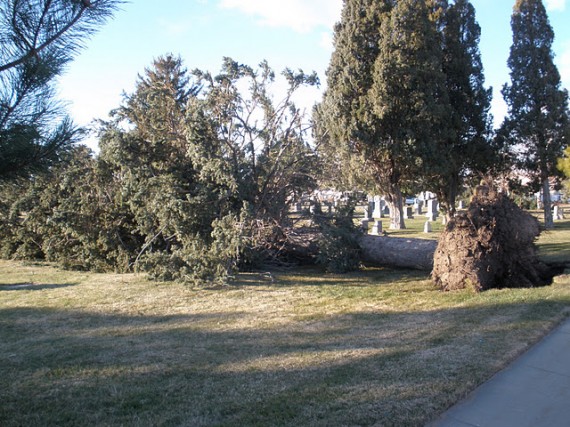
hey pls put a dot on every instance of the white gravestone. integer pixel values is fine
(378, 207)
(418, 207)
(432, 209)
(377, 228)
(558, 213)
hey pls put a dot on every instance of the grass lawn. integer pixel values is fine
(378, 347)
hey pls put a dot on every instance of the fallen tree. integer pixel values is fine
(304, 246)
(398, 252)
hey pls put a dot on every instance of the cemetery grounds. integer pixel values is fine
(280, 348)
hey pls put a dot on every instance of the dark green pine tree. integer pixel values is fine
(72, 214)
(206, 169)
(154, 142)
(349, 76)
(344, 122)
(537, 124)
(145, 146)
(409, 101)
(38, 38)
(468, 151)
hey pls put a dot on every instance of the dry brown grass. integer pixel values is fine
(379, 347)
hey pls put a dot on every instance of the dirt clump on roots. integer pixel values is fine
(491, 245)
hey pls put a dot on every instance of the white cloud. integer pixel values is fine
(300, 15)
(555, 4)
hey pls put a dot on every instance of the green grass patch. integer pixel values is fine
(376, 347)
(554, 245)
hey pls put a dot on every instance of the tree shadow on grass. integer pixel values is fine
(562, 224)
(314, 276)
(26, 286)
(71, 367)
(555, 253)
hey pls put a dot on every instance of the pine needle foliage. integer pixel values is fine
(194, 180)
(537, 127)
(38, 38)
(406, 108)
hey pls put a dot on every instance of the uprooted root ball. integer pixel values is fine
(489, 246)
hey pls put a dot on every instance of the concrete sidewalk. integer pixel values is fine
(532, 392)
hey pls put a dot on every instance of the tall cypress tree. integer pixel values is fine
(468, 150)
(537, 121)
(344, 122)
(409, 100)
(406, 94)
(349, 76)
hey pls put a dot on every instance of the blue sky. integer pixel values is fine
(286, 33)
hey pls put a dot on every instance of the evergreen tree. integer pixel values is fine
(467, 150)
(409, 101)
(252, 147)
(344, 122)
(349, 75)
(208, 171)
(193, 179)
(72, 214)
(405, 105)
(145, 146)
(39, 37)
(537, 123)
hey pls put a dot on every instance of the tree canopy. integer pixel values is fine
(344, 113)
(406, 98)
(38, 38)
(466, 149)
(537, 125)
(196, 176)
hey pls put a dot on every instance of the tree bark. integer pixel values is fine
(398, 252)
(394, 201)
(451, 198)
(547, 204)
(448, 197)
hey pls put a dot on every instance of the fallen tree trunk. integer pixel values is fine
(398, 252)
(302, 247)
